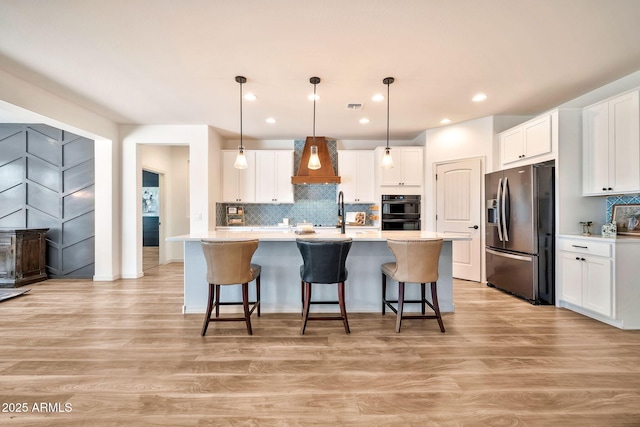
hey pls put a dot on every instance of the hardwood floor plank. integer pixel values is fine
(122, 353)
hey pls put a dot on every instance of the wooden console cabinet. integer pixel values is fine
(22, 256)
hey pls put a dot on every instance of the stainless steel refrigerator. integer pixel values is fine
(520, 231)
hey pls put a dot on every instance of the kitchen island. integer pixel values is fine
(280, 259)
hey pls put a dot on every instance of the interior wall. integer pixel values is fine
(465, 140)
(198, 138)
(36, 105)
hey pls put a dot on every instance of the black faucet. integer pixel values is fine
(341, 212)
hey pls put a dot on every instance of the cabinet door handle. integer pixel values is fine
(577, 258)
(581, 247)
(582, 259)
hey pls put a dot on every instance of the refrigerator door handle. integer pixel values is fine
(512, 256)
(498, 215)
(503, 216)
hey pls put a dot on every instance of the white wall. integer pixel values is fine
(471, 139)
(31, 104)
(198, 138)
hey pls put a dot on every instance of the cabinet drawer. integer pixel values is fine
(586, 247)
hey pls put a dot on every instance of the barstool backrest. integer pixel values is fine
(324, 260)
(229, 262)
(416, 260)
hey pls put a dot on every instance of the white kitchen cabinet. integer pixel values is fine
(273, 176)
(528, 140)
(585, 271)
(357, 180)
(598, 277)
(238, 185)
(407, 170)
(611, 146)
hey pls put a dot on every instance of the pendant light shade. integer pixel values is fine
(314, 160)
(241, 160)
(387, 160)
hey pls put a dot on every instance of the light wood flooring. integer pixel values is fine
(121, 353)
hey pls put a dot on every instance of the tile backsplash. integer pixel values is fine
(621, 200)
(316, 204)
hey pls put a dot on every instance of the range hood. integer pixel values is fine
(326, 173)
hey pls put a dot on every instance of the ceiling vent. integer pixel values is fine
(356, 106)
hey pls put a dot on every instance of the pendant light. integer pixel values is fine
(314, 160)
(241, 160)
(387, 161)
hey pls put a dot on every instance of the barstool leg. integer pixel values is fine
(422, 293)
(436, 307)
(258, 294)
(305, 309)
(343, 309)
(207, 316)
(217, 301)
(302, 297)
(384, 292)
(245, 305)
(400, 305)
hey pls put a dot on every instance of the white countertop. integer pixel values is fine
(620, 238)
(322, 233)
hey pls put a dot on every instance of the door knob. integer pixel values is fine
(475, 227)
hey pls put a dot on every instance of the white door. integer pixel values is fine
(458, 210)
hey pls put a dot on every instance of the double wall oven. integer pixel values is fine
(400, 212)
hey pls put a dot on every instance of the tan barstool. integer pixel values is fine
(416, 262)
(229, 263)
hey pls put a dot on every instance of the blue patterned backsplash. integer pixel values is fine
(621, 200)
(316, 203)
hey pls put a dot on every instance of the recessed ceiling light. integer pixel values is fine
(377, 97)
(270, 120)
(312, 97)
(445, 121)
(479, 97)
(364, 120)
(250, 97)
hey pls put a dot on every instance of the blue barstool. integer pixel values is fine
(324, 263)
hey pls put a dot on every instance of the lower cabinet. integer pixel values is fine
(599, 278)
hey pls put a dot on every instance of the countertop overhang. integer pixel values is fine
(290, 235)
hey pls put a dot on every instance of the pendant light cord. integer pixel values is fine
(241, 147)
(388, 115)
(314, 113)
(388, 81)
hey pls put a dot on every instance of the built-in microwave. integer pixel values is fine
(400, 212)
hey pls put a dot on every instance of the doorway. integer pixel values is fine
(459, 210)
(150, 219)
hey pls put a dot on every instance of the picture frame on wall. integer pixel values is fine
(627, 219)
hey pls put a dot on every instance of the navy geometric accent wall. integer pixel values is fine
(47, 180)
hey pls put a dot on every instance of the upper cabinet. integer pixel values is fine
(238, 185)
(356, 170)
(611, 146)
(407, 167)
(273, 176)
(529, 140)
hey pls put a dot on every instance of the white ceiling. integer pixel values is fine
(174, 62)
